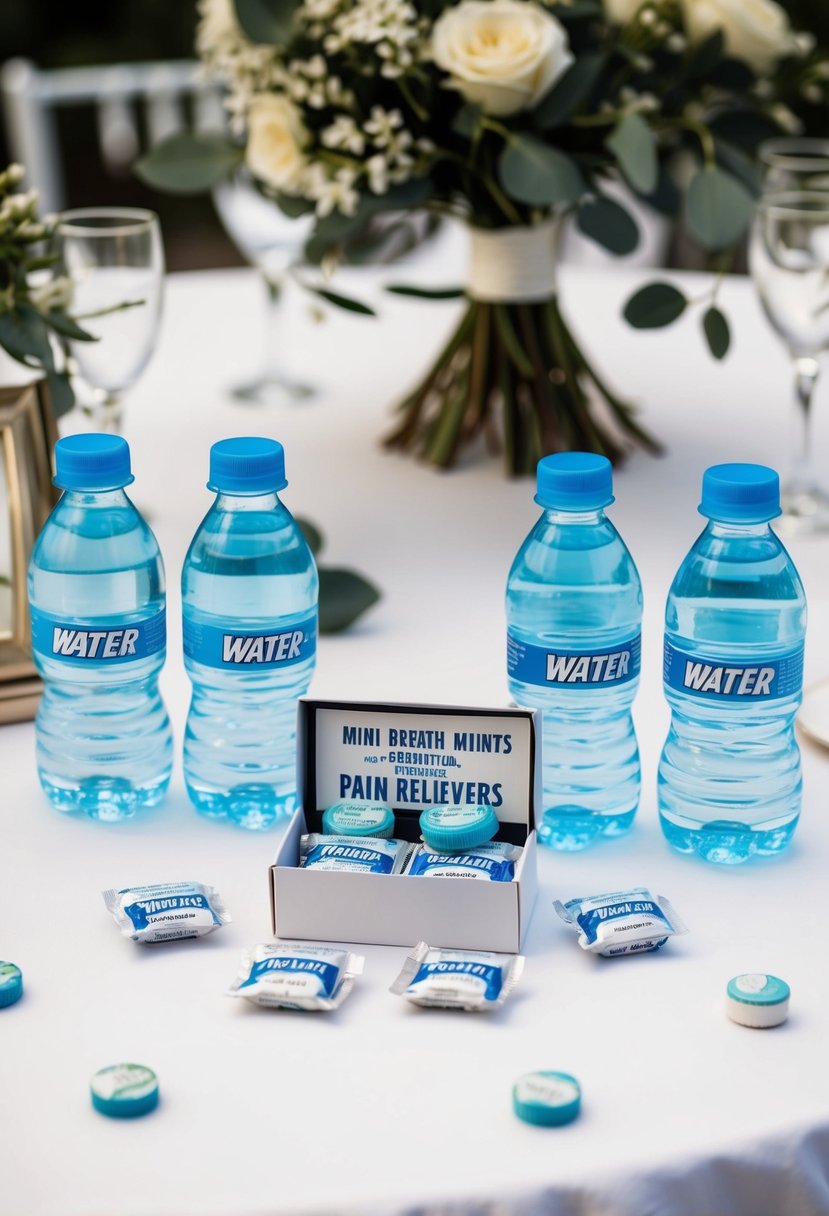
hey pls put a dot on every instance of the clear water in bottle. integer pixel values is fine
(574, 612)
(96, 593)
(729, 775)
(249, 596)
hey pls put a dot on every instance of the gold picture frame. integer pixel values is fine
(27, 439)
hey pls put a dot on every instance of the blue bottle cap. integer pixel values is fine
(547, 1099)
(123, 1091)
(449, 828)
(247, 466)
(358, 819)
(11, 984)
(92, 462)
(574, 481)
(740, 494)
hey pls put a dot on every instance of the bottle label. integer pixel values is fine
(761, 679)
(573, 668)
(98, 641)
(214, 646)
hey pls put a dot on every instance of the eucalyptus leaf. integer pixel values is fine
(609, 224)
(293, 206)
(425, 293)
(741, 165)
(654, 306)
(24, 336)
(467, 121)
(189, 164)
(66, 327)
(312, 534)
(633, 143)
(347, 303)
(344, 596)
(569, 91)
(60, 392)
(533, 173)
(717, 333)
(266, 21)
(744, 128)
(718, 208)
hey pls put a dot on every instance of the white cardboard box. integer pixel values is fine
(448, 754)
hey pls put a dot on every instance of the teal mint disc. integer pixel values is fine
(358, 819)
(123, 1091)
(11, 984)
(547, 1099)
(448, 828)
(758, 1000)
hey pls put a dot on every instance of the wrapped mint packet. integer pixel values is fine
(492, 862)
(296, 975)
(472, 980)
(367, 854)
(167, 912)
(621, 922)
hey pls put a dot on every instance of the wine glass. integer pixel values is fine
(115, 261)
(795, 163)
(789, 261)
(273, 242)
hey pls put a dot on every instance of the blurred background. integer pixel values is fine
(97, 33)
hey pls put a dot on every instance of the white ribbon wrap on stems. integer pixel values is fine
(514, 265)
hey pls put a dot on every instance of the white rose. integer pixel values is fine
(620, 12)
(756, 31)
(502, 55)
(217, 25)
(276, 139)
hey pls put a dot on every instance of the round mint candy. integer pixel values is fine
(11, 984)
(547, 1099)
(358, 819)
(757, 1000)
(449, 828)
(123, 1091)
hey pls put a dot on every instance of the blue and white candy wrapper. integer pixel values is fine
(167, 912)
(492, 862)
(473, 980)
(366, 854)
(296, 975)
(621, 922)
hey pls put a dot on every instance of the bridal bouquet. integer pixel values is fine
(515, 116)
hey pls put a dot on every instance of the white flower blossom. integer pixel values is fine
(344, 133)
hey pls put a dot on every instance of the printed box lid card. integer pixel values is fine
(413, 758)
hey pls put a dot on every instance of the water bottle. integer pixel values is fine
(574, 613)
(729, 776)
(96, 596)
(249, 596)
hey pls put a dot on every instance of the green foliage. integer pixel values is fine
(425, 293)
(532, 172)
(718, 208)
(266, 21)
(716, 330)
(633, 143)
(340, 301)
(569, 92)
(344, 594)
(609, 224)
(189, 164)
(33, 300)
(655, 306)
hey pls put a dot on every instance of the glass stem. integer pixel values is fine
(108, 415)
(271, 369)
(806, 370)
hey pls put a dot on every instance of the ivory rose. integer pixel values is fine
(503, 55)
(276, 139)
(756, 31)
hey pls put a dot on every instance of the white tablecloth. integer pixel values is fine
(381, 1107)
